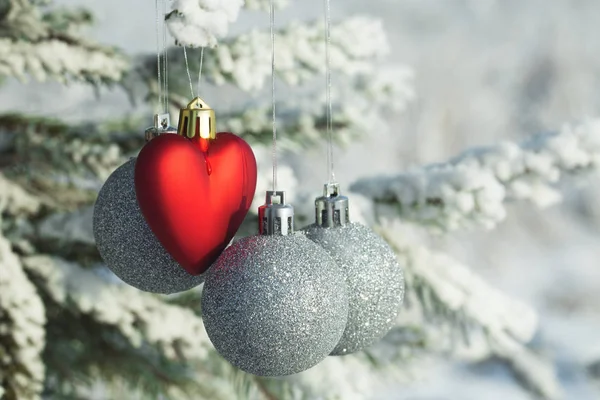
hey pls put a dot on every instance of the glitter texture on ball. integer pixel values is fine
(126, 243)
(374, 278)
(275, 305)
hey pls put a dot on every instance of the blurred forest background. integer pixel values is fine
(466, 73)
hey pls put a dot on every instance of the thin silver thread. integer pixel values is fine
(274, 151)
(187, 69)
(200, 70)
(158, 55)
(165, 60)
(330, 166)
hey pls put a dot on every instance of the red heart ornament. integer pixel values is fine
(193, 198)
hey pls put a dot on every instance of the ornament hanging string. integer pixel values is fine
(274, 151)
(161, 64)
(187, 69)
(165, 61)
(162, 57)
(158, 55)
(329, 114)
(200, 70)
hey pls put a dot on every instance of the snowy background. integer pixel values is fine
(486, 70)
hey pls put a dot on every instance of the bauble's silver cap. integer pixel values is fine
(162, 126)
(331, 209)
(275, 217)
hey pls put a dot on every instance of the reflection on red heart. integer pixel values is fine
(195, 201)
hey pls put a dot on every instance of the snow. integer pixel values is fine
(137, 315)
(471, 189)
(23, 324)
(199, 23)
(57, 60)
(486, 71)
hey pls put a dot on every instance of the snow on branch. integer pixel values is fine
(358, 106)
(303, 119)
(15, 200)
(536, 373)
(440, 281)
(357, 46)
(472, 188)
(449, 294)
(349, 378)
(61, 60)
(46, 153)
(199, 23)
(49, 46)
(140, 317)
(22, 331)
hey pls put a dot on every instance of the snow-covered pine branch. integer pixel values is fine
(22, 330)
(449, 295)
(148, 324)
(444, 286)
(472, 189)
(200, 23)
(45, 154)
(303, 117)
(357, 46)
(48, 148)
(48, 46)
(140, 317)
(350, 377)
(127, 335)
(15, 201)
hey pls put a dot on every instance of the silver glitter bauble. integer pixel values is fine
(126, 243)
(374, 278)
(274, 305)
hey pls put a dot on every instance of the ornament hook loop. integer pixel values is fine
(275, 216)
(162, 125)
(197, 120)
(332, 209)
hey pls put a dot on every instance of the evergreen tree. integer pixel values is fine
(69, 328)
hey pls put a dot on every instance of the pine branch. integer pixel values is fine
(87, 347)
(44, 154)
(68, 20)
(140, 317)
(198, 23)
(535, 372)
(68, 235)
(358, 108)
(348, 377)
(456, 302)
(134, 335)
(446, 288)
(64, 164)
(49, 46)
(472, 189)
(22, 331)
(301, 127)
(358, 44)
(14, 200)
(364, 93)
(84, 351)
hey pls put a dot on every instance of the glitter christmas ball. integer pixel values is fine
(126, 243)
(275, 305)
(374, 278)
